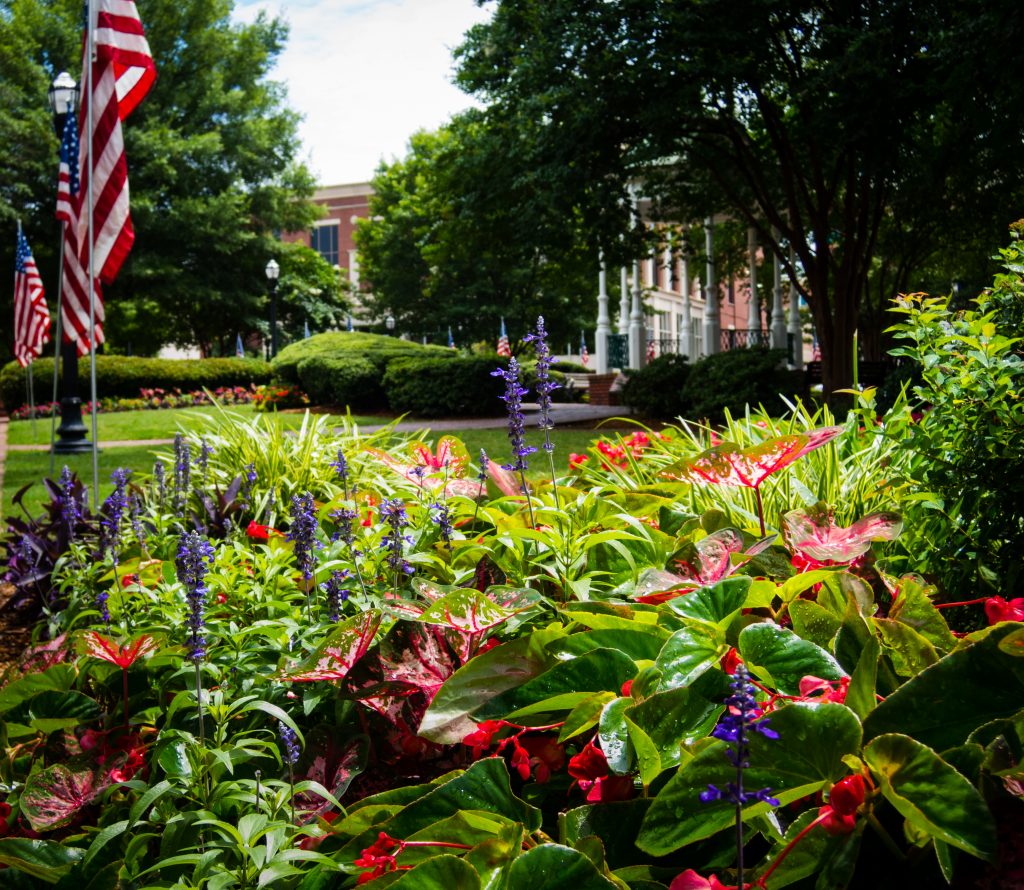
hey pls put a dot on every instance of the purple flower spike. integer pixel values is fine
(513, 400)
(290, 741)
(195, 554)
(392, 512)
(303, 532)
(545, 385)
(113, 512)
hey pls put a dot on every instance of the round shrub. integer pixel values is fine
(376, 348)
(351, 380)
(446, 387)
(737, 378)
(571, 368)
(657, 389)
(123, 376)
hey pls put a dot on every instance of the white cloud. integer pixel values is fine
(366, 74)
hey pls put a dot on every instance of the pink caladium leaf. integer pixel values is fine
(505, 480)
(430, 469)
(336, 656)
(332, 764)
(656, 586)
(467, 611)
(710, 560)
(728, 464)
(417, 656)
(814, 534)
(55, 796)
(451, 456)
(123, 657)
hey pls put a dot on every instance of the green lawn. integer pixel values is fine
(495, 443)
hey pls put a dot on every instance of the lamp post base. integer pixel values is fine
(72, 432)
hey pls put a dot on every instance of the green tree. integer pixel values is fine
(456, 237)
(211, 166)
(804, 117)
(311, 292)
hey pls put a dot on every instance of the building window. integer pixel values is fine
(697, 327)
(324, 240)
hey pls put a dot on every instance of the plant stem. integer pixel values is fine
(551, 465)
(124, 678)
(529, 504)
(199, 705)
(760, 510)
(763, 880)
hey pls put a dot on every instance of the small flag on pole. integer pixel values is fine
(31, 316)
(650, 350)
(584, 355)
(503, 346)
(348, 327)
(305, 330)
(451, 339)
(239, 347)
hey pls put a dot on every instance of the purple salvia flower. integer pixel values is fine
(513, 399)
(290, 741)
(545, 385)
(303, 532)
(341, 467)
(392, 512)
(135, 514)
(182, 471)
(442, 517)
(70, 507)
(113, 512)
(160, 478)
(195, 554)
(343, 518)
(103, 606)
(482, 475)
(741, 717)
(336, 594)
(248, 482)
(203, 461)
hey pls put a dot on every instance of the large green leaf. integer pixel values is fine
(813, 622)
(438, 873)
(59, 678)
(447, 720)
(807, 756)
(617, 824)
(687, 654)
(781, 658)
(614, 735)
(931, 794)
(815, 852)
(673, 718)
(643, 642)
(554, 867)
(45, 861)
(945, 703)
(914, 608)
(718, 604)
(910, 652)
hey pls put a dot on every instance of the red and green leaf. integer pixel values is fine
(336, 656)
(55, 796)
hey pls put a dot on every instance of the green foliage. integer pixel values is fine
(966, 453)
(729, 381)
(376, 348)
(656, 390)
(310, 292)
(445, 387)
(124, 376)
(352, 380)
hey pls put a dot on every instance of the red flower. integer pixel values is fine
(997, 609)
(847, 795)
(627, 689)
(730, 661)
(836, 823)
(124, 657)
(377, 858)
(129, 580)
(5, 809)
(257, 532)
(546, 756)
(590, 769)
(222, 598)
(481, 738)
(690, 880)
(816, 689)
(577, 460)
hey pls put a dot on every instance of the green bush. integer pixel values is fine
(352, 380)
(446, 387)
(123, 376)
(376, 348)
(737, 378)
(571, 368)
(657, 390)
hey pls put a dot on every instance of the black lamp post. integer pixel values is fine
(71, 434)
(273, 271)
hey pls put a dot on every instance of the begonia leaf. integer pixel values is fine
(338, 653)
(437, 873)
(931, 794)
(717, 605)
(815, 853)
(688, 653)
(54, 796)
(554, 867)
(616, 823)
(675, 717)
(913, 607)
(782, 659)
(909, 652)
(614, 735)
(46, 861)
(813, 622)
(807, 757)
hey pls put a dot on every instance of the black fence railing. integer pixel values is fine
(618, 351)
(659, 346)
(746, 339)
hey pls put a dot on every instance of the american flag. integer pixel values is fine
(31, 317)
(584, 355)
(651, 352)
(67, 177)
(503, 346)
(122, 73)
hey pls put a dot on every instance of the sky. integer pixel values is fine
(366, 74)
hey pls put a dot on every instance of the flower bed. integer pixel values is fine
(322, 660)
(152, 399)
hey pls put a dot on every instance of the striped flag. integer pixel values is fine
(503, 346)
(122, 73)
(31, 317)
(584, 355)
(239, 347)
(67, 176)
(451, 339)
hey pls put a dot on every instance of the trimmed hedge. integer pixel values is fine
(446, 387)
(737, 378)
(657, 389)
(376, 348)
(351, 380)
(124, 376)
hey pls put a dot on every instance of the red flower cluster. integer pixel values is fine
(577, 460)
(378, 858)
(690, 880)
(997, 609)
(257, 532)
(5, 811)
(634, 445)
(130, 746)
(535, 755)
(838, 816)
(590, 769)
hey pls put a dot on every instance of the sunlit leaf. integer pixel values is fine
(335, 657)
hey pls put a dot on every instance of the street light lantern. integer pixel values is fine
(63, 93)
(273, 270)
(389, 323)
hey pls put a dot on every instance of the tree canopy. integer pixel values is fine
(211, 159)
(847, 127)
(459, 236)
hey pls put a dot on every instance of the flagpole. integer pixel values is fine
(56, 349)
(91, 59)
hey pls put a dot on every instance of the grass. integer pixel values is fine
(119, 426)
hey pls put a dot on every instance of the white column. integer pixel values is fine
(778, 312)
(604, 327)
(754, 309)
(637, 334)
(669, 261)
(623, 326)
(686, 340)
(795, 327)
(712, 323)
